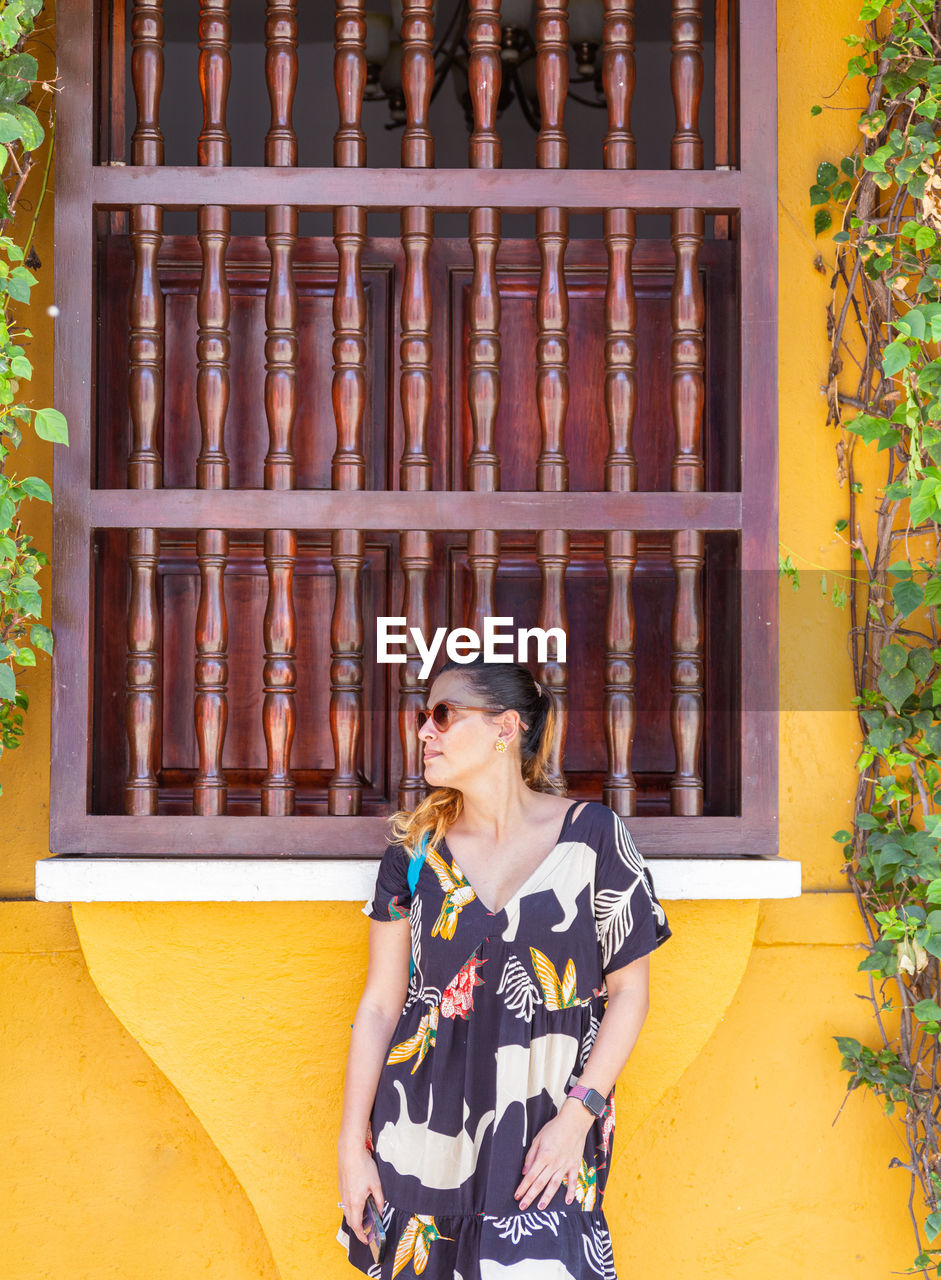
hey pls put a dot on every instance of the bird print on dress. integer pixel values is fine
(457, 893)
(415, 1243)
(423, 1040)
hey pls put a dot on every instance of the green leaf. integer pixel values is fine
(894, 658)
(925, 238)
(21, 65)
(897, 688)
(921, 662)
(18, 289)
(41, 637)
(869, 427)
(924, 499)
(7, 683)
(895, 357)
(848, 1046)
(25, 657)
(20, 367)
(933, 1225)
(50, 424)
(822, 221)
(912, 323)
(927, 1011)
(827, 174)
(908, 597)
(815, 110)
(819, 195)
(36, 488)
(28, 126)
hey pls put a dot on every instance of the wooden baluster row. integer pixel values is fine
(212, 400)
(620, 394)
(687, 311)
(552, 348)
(344, 791)
(280, 625)
(145, 402)
(416, 546)
(484, 73)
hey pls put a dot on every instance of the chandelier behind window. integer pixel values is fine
(517, 54)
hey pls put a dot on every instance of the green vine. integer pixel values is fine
(884, 395)
(22, 136)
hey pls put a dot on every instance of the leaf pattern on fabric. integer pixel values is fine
(457, 893)
(558, 994)
(420, 1043)
(589, 1040)
(522, 994)
(523, 1224)
(614, 908)
(586, 1186)
(415, 1243)
(598, 1252)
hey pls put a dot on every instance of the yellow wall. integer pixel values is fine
(172, 1074)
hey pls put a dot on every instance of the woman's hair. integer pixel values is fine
(498, 686)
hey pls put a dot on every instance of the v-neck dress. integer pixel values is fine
(501, 1013)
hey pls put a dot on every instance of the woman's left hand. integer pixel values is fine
(556, 1153)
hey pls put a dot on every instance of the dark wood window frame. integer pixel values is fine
(85, 188)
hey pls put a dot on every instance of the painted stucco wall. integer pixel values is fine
(171, 1075)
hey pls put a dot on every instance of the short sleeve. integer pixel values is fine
(629, 919)
(392, 897)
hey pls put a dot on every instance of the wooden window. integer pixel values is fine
(308, 389)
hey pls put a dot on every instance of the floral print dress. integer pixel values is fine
(500, 1015)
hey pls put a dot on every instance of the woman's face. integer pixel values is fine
(467, 746)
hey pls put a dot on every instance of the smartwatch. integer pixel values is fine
(591, 1098)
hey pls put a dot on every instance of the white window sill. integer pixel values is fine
(83, 878)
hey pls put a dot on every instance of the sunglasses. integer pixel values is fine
(441, 714)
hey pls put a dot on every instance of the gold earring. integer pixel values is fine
(500, 745)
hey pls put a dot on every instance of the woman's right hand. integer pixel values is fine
(358, 1177)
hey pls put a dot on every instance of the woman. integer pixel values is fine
(529, 930)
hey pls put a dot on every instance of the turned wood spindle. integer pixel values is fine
(552, 348)
(484, 73)
(146, 321)
(348, 471)
(280, 472)
(214, 148)
(620, 396)
(416, 548)
(687, 400)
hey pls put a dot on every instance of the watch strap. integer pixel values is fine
(582, 1092)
